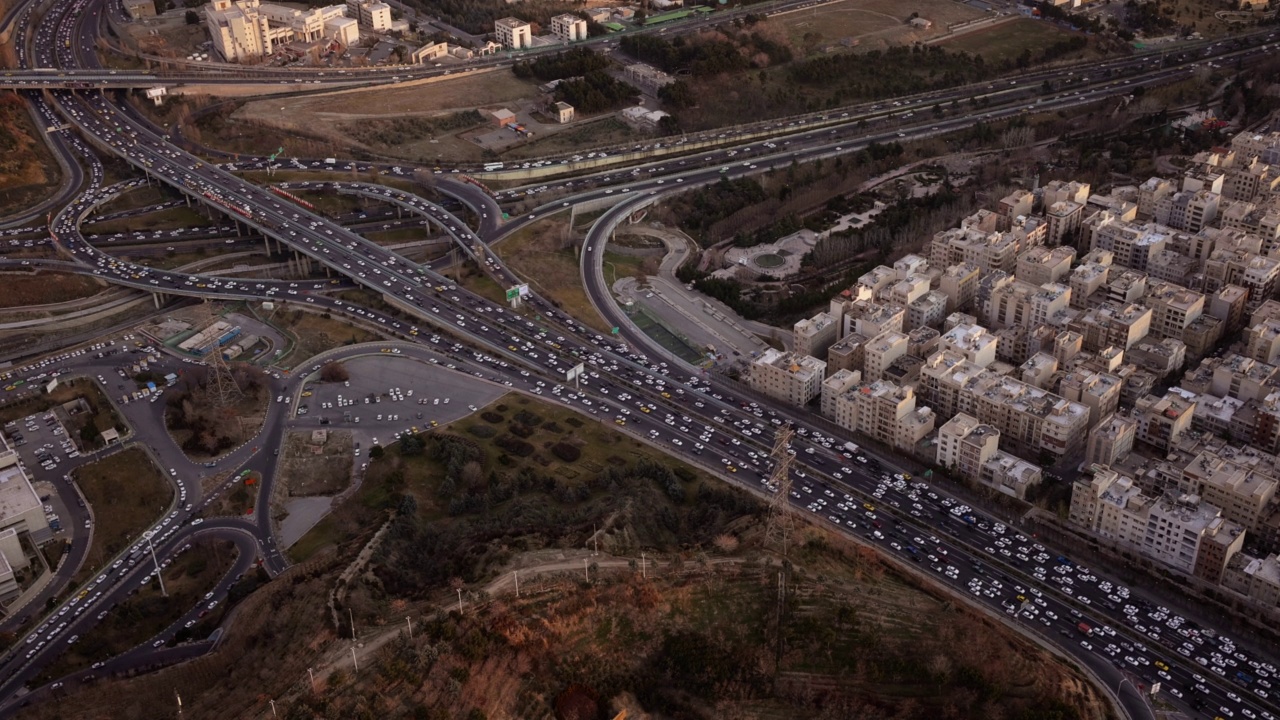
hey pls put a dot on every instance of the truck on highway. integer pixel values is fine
(1085, 629)
(330, 161)
(851, 447)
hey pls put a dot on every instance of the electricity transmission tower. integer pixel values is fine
(222, 388)
(780, 523)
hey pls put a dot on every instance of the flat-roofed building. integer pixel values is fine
(1015, 204)
(1065, 219)
(1098, 391)
(1041, 264)
(1152, 192)
(960, 284)
(1020, 303)
(1243, 492)
(1132, 245)
(1162, 421)
(848, 354)
(970, 450)
(872, 319)
(971, 341)
(928, 310)
(1088, 281)
(886, 413)
(791, 378)
(987, 249)
(1030, 419)
(1255, 273)
(880, 352)
(569, 28)
(1256, 578)
(1229, 304)
(1164, 358)
(1112, 325)
(1065, 191)
(1240, 377)
(1039, 370)
(1262, 342)
(836, 384)
(1170, 530)
(1111, 440)
(1173, 309)
(21, 514)
(513, 33)
(813, 336)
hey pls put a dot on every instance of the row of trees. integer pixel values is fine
(707, 55)
(571, 63)
(596, 91)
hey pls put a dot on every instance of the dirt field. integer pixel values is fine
(310, 469)
(315, 334)
(1006, 41)
(27, 170)
(538, 252)
(127, 493)
(325, 113)
(872, 23)
(22, 290)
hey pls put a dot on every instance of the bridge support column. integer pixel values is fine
(237, 228)
(158, 299)
(266, 243)
(398, 211)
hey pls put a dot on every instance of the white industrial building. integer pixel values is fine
(248, 30)
(21, 513)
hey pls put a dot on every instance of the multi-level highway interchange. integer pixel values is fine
(665, 402)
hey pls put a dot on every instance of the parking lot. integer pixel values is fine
(388, 394)
(45, 450)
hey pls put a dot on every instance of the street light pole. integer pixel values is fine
(273, 707)
(353, 624)
(312, 675)
(410, 623)
(155, 560)
(459, 601)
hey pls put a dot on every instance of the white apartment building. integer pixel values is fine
(512, 33)
(973, 342)
(1169, 530)
(569, 28)
(880, 352)
(247, 30)
(1042, 264)
(884, 412)
(970, 449)
(1029, 418)
(1030, 306)
(796, 379)
(814, 336)
(1131, 244)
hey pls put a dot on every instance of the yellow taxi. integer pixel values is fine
(620, 421)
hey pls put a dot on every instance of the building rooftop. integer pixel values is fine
(16, 494)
